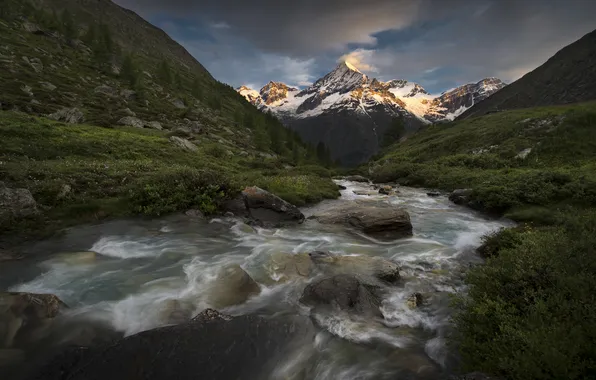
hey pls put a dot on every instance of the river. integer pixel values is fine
(140, 266)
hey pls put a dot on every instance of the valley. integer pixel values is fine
(156, 223)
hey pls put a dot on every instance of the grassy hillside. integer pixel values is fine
(523, 163)
(102, 114)
(529, 313)
(123, 171)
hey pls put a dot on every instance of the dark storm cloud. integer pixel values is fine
(436, 42)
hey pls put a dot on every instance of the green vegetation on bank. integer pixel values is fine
(125, 171)
(529, 311)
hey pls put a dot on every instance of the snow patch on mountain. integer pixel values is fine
(346, 88)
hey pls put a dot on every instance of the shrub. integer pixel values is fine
(178, 189)
(529, 312)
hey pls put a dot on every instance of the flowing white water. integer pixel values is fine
(144, 271)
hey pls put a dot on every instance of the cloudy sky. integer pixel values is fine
(438, 43)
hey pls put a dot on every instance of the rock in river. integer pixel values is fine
(269, 209)
(342, 292)
(210, 346)
(231, 287)
(377, 219)
(366, 268)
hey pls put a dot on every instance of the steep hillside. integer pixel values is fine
(351, 113)
(102, 114)
(524, 314)
(568, 77)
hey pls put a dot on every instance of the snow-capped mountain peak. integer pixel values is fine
(345, 77)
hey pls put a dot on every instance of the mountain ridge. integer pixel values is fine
(346, 101)
(569, 76)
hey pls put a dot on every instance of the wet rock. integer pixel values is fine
(461, 196)
(380, 220)
(211, 346)
(16, 203)
(269, 209)
(365, 192)
(78, 258)
(288, 266)
(154, 125)
(209, 315)
(357, 178)
(342, 292)
(21, 313)
(341, 187)
(131, 122)
(232, 286)
(364, 267)
(194, 213)
(237, 206)
(173, 311)
(386, 190)
(47, 86)
(433, 194)
(415, 300)
(184, 144)
(68, 115)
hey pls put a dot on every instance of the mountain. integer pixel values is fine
(567, 77)
(350, 112)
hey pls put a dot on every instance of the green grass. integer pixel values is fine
(559, 171)
(529, 311)
(115, 172)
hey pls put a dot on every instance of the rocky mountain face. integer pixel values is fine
(350, 112)
(568, 77)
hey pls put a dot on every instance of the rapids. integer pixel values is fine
(139, 266)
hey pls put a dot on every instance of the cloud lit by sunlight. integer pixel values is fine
(361, 59)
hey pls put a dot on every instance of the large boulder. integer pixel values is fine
(269, 209)
(342, 292)
(21, 313)
(183, 143)
(368, 269)
(232, 286)
(16, 203)
(68, 115)
(380, 220)
(461, 196)
(131, 121)
(357, 178)
(210, 346)
(287, 266)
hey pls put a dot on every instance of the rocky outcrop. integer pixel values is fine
(367, 268)
(154, 125)
(381, 220)
(16, 203)
(232, 286)
(183, 143)
(210, 346)
(269, 209)
(131, 121)
(68, 115)
(342, 292)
